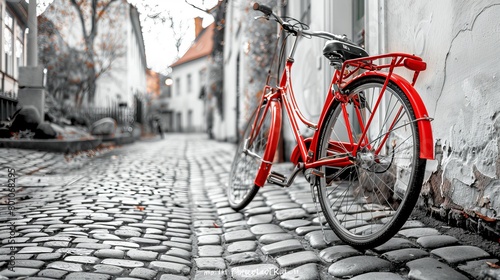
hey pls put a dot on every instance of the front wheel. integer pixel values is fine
(367, 202)
(257, 146)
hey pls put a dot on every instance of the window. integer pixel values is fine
(19, 47)
(8, 44)
(189, 83)
(177, 86)
(202, 76)
(305, 11)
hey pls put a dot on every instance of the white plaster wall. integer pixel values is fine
(127, 75)
(225, 128)
(186, 101)
(113, 86)
(459, 41)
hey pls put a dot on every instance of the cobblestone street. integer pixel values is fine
(157, 209)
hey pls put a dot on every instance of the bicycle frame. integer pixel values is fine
(283, 95)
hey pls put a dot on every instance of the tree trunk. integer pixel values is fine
(259, 41)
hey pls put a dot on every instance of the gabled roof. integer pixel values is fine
(201, 47)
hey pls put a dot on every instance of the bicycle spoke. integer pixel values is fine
(364, 204)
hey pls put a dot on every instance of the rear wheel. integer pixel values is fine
(248, 159)
(367, 202)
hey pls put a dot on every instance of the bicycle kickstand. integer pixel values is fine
(314, 189)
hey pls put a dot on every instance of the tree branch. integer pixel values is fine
(103, 10)
(208, 11)
(80, 14)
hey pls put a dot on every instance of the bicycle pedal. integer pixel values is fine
(317, 173)
(277, 179)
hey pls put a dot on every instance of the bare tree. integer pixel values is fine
(178, 26)
(89, 20)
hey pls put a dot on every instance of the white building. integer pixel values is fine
(119, 47)
(188, 75)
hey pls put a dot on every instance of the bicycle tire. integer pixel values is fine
(245, 167)
(367, 203)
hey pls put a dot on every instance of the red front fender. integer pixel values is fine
(424, 122)
(272, 143)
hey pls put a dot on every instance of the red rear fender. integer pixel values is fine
(424, 123)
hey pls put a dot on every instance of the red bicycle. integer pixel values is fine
(367, 156)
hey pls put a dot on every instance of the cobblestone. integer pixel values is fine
(143, 273)
(266, 229)
(242, 258)
(282, 247)
(378, 275)
(109, 253)
(87, 276)
(418, 232)
(394, 244)
(457, 254)
(335, 253)
(66, 266)
(303, 272)
(210, 251)
(255, 271)
(150, 212)
(298, 258)
(435, 241)
(274, 237)
(429, 268)
(293, 224)
(108, 269)
(52, 273)
(169, 267)
(123, 263)
(209, 240)
(358, 265)
(317, 239)
(241, 246)
(167, 258)
(210, 263)
(140, 255)
(238, 235)
(404, 255)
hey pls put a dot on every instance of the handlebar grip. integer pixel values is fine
(263, 8)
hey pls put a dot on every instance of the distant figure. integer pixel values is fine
(156, 125)
(210, 123)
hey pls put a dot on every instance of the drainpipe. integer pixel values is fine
(32, 35)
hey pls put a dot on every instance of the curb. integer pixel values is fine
(52, 145)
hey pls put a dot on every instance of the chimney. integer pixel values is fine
(197, 26)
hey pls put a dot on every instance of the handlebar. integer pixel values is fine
(267, 11)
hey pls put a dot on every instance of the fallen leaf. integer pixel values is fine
(485, 218)
(493, 265)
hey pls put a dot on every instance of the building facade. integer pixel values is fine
(13, 49)
(120, 53)
(188, 75)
